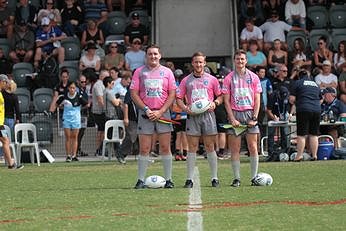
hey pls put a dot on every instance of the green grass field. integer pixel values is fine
(100, 196)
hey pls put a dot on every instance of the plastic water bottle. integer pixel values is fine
(331, 116)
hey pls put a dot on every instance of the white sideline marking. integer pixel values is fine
(195, 219)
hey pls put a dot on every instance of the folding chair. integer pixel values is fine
(117, 135)
(28, 139)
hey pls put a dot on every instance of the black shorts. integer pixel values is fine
(308, 123)
(100, 120)
(180, 127)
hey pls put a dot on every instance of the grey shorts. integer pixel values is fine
(147, 127)
(243, 117)
(201, 124)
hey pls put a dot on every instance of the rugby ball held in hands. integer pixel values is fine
(200, 106)
(155, 181)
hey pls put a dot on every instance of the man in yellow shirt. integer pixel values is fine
(3, 133)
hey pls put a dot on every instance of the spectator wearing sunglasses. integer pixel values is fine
(114, 58)
(135, 57)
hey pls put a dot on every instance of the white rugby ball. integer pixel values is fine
(263, 179)
(293, 156)
(200, 106)
(284, 157)
(155, 181)
(306, 156)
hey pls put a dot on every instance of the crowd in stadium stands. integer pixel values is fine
(37, 33)
(285, 40)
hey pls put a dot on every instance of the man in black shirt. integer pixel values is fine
(136, 30)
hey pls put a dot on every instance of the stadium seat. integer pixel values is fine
(315, 35)
(12, 145)
(25, 136)
(338, 35)
(117, 22)
(12, 4)
(5, 45)
(119, 39)
(20, 73)
(73, 69)
(44, 128)
(337, 16)
(117, 135)
(293, 35)
(72, 48)
(42, 97)
(319, 16)
(23, 95)
(143, 17)
(36, 3)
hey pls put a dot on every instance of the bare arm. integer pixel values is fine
(100, 100)
(126, 114)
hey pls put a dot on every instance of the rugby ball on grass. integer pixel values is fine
(263, 179)
(155, 181)
(200, 106)
(284, 157)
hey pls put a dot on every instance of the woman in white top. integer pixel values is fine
(90, 59)
(51, 12)
(340, 56)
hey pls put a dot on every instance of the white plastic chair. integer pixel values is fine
(25, 129)
(12, 145)
(118, 135)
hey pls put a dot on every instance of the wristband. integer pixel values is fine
(145, 109)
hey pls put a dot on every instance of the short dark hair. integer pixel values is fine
(152, 46)
(239, 52)
(198, 53)
(107, 80)
(64, 70)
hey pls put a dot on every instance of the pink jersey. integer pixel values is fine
(153, 85)
(205, 87)
(242, 90)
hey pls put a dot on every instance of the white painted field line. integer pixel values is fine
(195, 218)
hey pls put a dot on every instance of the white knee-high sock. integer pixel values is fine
(253, 166)
(212, 159)
(236, 168)
(143, 162)
(191, 160)
(167, 165)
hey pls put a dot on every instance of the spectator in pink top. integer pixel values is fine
(196, 86)
(153, 91)
(242, 91)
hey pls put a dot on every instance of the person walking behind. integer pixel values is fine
(153, 91)
(3, 133)
(72, 102)
(97, 108)
(306, 95)
(200, 86)
(242, 93)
